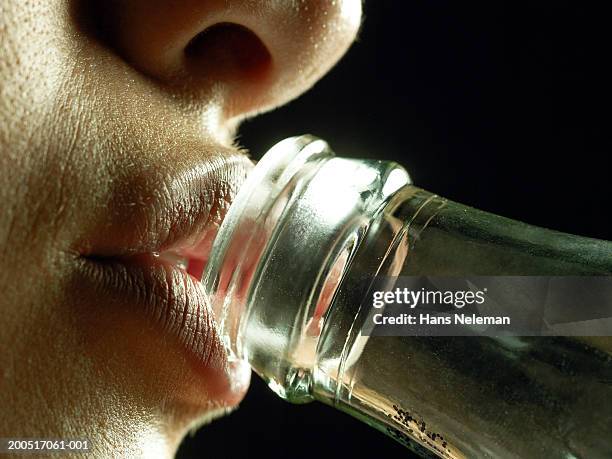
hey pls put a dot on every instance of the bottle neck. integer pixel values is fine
(307, 224)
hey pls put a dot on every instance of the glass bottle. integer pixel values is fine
(285, 278)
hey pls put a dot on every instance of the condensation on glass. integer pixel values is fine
(284, 279)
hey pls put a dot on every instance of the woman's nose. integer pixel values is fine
(250, 55)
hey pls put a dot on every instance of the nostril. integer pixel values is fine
(228, 49)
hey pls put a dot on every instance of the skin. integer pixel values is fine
(105, 108)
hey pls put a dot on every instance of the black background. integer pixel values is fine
(500, 105)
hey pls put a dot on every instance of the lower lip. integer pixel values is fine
(174, 301)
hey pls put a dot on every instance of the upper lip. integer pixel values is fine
(174, 216)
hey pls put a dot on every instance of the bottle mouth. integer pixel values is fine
(248, 225)
(284, 249)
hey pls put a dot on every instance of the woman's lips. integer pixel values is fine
(150, 259)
